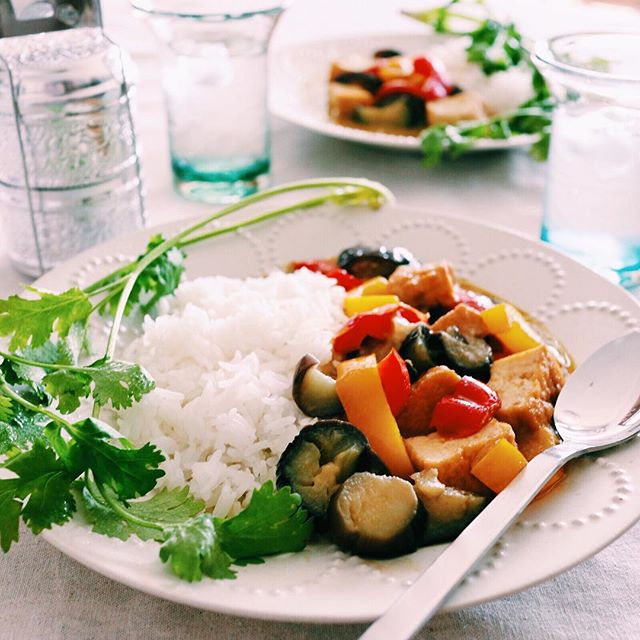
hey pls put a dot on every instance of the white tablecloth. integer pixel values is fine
(43, 594)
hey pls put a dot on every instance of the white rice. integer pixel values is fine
(223, 358)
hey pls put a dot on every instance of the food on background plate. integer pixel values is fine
(399, 94)
(451, 387)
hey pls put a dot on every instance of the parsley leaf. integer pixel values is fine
(193, 550)
(273, 522)
(168, 507)
(130, 473)
(32, 321)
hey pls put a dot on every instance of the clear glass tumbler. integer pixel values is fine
(214, 74)
(592, 202)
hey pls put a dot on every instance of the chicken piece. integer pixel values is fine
(344, 98)
(451, 109)
(454, 457)
(415, 417)
(426, 286)
(528, 383)
(466, 318)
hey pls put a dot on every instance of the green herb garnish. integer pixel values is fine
(495, 47)
(56, 463)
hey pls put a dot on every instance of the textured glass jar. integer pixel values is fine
(69, 168)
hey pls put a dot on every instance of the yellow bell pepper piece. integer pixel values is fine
(499, 466)
(360, 391)
(373, 287)
(508, 325)
(354, 306)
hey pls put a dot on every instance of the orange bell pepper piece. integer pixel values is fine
(360, 390)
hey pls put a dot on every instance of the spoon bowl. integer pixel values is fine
(599, 405)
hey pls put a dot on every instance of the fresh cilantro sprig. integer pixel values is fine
(494, 46)
(56, 464)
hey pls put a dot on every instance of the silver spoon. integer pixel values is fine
(598, 408)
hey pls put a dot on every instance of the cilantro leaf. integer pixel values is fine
(31, 322)
(42, 490)
(495, 47)
(6, 409)
(160, 278)
(68, 386)
(130, 473)
(273, 522)
(193, 550)
(10, 509)
(168, 507)
(118, 382)
(19, 427)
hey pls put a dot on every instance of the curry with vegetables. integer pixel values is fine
(436, 396)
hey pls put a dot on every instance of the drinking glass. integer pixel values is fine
(592, 200)
(214, 75)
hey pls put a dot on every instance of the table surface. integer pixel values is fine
(46, 595)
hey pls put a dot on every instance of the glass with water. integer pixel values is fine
(592, 201)
(214, 77)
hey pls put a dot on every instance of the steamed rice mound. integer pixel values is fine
(223, 357)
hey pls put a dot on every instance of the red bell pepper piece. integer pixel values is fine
(433, 88)
(392, 87)
(455, 417)
(396, 383)
(475, 300)
(329, 269)
(475, 391)
(374, 324)
(465, 411)
(432, 68)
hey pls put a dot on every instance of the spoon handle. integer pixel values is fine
(428, 592)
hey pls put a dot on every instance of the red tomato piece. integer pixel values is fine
(396, 383)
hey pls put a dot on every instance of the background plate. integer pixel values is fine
(596, 503)
(298, 89)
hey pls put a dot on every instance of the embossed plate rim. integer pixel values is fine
(322, 584)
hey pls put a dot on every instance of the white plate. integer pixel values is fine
(298, 89)
(595, 504)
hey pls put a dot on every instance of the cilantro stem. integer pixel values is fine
(8, 391)
(377, 190)
(99, 492)
(306, 204)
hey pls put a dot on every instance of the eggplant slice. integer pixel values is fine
(320, 458)
(376, 516)
(369, 262)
